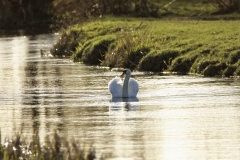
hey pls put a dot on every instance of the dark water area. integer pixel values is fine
(173, 117)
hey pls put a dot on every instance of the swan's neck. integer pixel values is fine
(125, 86)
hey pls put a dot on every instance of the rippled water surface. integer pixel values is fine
(174, 117)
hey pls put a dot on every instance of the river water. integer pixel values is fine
(173, 118)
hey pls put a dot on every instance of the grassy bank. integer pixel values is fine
(208, 48)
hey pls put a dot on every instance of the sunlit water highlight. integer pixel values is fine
(174, 117)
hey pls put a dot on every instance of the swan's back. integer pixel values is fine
(133, 87)
(115, 87)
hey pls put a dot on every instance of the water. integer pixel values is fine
(174, 117)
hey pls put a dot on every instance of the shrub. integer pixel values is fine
(67, 43)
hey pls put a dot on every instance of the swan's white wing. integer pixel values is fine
(115, 87)
(132, 87)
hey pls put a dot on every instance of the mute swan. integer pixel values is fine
(128, 88)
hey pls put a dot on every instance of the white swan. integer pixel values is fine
(128, 88)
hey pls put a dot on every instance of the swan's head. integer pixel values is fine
(126, 72)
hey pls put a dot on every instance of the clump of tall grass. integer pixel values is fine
(67, 43)
(56, 148)
(130, 46)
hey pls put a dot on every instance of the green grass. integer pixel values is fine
(158, 45)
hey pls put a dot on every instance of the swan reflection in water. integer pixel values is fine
(127, 104)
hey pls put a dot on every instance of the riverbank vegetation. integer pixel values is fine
(198, 37)
(55, 148)
(202, 47)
